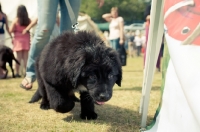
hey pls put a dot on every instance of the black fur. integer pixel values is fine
(6, 55)
(74, 60)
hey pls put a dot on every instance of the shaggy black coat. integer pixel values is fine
(6, 55)
(76, 62)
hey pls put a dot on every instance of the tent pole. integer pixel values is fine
(153, 49)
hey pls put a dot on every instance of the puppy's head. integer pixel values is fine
(100, 74)
(96, 67)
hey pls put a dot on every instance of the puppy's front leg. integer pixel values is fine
(87, 106)
(59, 99)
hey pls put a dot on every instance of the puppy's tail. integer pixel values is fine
(9, 51)
(16, 60)
(36, 97)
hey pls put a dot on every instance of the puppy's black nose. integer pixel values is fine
(104, 96)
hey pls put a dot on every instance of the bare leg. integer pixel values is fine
(19, 58)
(25, 58)
(1, 73)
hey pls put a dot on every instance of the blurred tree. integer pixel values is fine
(130, 10)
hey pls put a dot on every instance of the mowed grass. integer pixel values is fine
(120, 114)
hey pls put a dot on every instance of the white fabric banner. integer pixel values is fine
(180, 108)
(180, 111)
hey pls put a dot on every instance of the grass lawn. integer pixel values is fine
(120, 114)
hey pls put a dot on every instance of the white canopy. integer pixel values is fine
(10, 7)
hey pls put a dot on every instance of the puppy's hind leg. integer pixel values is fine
(36, 97)
(45, 102)
(87, 106)
(41, 93)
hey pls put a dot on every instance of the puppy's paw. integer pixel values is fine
(89, 116)
(64, 107)
(75, 99)
(45, 106)
(31, 101)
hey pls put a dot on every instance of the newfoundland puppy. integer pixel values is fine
(76, 62)
(6, 55)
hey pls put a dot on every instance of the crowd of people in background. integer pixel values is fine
(134, 42)
(20, 37)
(43, 32)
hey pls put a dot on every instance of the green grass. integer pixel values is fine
(120, 114)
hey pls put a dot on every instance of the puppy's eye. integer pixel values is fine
(83, 74)
(112, 57)
(110, 76)
(92, 77)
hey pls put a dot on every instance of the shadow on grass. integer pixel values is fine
(8, 77)
(118, 118)
(155, 88)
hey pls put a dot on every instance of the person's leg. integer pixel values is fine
(25, 58)
(2, 38)
(158, 63)
(134, 49)
(1, 70)
(140, 48)
(65, 21)
(112, 44)
(117, 45)
(147, 35)
(130, 49)
(47, 10)
(19, 58)
(137, 50)
(1, 73)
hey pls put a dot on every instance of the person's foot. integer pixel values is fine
(17, 75)
(158, 69)
(26, 83)
(2, 76)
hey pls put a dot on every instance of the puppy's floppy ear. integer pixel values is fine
(116, 64)
(74, 68)
(119, 77)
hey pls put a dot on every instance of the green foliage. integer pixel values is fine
(130, 10)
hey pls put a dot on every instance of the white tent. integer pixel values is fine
(153, 48)
(10, 8)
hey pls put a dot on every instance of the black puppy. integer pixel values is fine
(6, 55)
(76, 62)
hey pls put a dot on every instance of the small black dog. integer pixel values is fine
(76, 62)
(6, 55)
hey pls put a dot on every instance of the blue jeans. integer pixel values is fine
(115, 43)
(47, 11)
